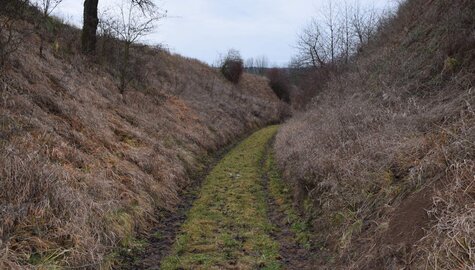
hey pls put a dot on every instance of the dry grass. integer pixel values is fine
(83, 168)
(450, 242)
(368, 159)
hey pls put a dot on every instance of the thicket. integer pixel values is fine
(232, 66)
(279, 83)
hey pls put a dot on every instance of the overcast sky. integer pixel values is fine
(203, 29)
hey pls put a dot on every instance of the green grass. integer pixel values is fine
(227, 226)
(282, 195)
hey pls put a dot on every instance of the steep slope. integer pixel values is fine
(84, 168)
(382, 164)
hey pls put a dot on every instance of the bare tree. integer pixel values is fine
(364, 22)
(311, 46)
(91, 21)
(345, 31)
(249, 65)
(261, 64)
(319, 42)
(46, 7)
(331, 29)
(145, 5)
(257, 65)
(89, 28)
(337, 36)
(133, 23)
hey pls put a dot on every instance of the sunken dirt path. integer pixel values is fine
(241, 218)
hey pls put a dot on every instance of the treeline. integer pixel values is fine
(324, 48)
(335, 34)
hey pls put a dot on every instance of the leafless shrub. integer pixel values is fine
(108, 46)
(11, 12)
(136, 20)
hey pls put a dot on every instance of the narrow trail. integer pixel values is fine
(160, 242)
(241, 218)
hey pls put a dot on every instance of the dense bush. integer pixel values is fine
(279, 83)
(232, 66)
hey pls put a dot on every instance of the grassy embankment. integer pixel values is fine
(95, 165)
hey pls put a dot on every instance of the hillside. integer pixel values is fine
(375, 169)
(382, 164)
(83, 169)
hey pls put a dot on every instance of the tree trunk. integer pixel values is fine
(91, 20)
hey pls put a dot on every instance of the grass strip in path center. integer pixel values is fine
(227, 227)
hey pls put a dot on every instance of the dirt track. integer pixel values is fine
(237, 219)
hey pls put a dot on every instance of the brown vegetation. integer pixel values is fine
(232, 66)
(383, 162)
(84, 168)
(279, 83)
(11, 12)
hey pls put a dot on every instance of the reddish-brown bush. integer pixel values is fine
(279, 83)
(233, 66)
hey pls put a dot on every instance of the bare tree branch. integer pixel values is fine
(340, 32)
(136, 19)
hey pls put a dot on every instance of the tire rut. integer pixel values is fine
(161, 243)
(293, 254)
